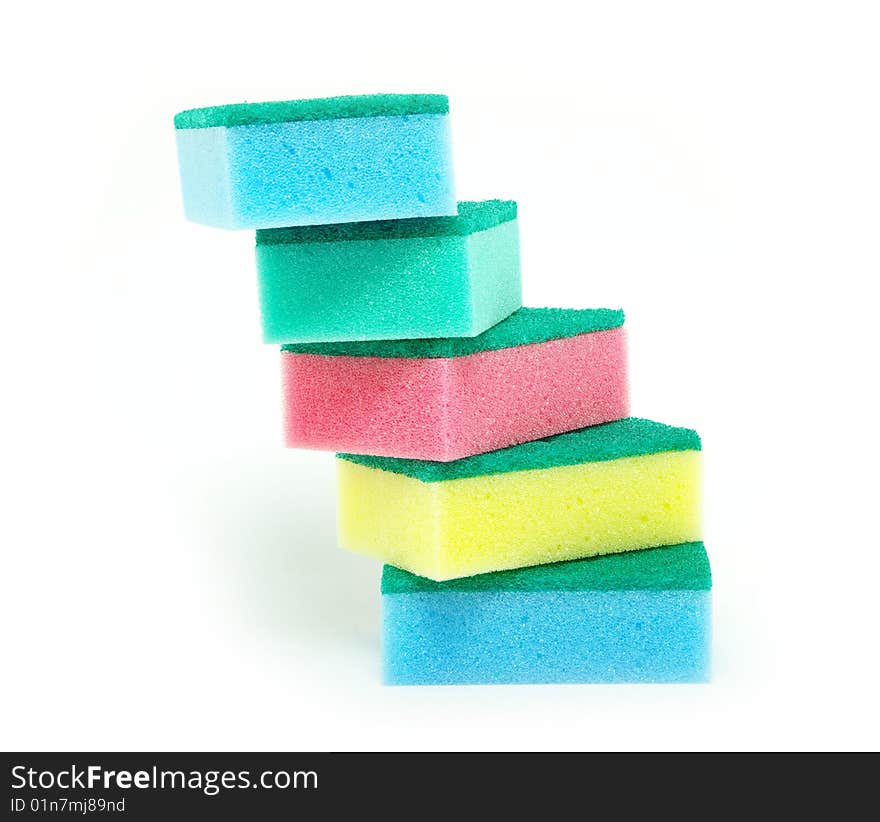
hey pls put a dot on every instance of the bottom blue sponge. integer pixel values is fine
(642, 616)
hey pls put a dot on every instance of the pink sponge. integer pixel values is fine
(538, 373)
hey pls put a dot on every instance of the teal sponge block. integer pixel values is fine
(643, 616)
(307, 162)
(391, 280)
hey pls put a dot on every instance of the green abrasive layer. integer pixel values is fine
(630, 437)
(323, 108)
(472, 217)
(524, 327)
(683, 567)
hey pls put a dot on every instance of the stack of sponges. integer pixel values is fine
(533, 531)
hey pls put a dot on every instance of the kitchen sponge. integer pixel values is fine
(643, 616)
(306, 162)
(541, 371)
(433, 277)
(615, 487)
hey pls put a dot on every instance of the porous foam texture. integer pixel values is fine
(307, 162)
(615, 487)
(540, 372)
(436, 277)
(643, 616)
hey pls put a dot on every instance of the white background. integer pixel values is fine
(170, 574)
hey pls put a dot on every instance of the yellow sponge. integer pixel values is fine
(616, 487)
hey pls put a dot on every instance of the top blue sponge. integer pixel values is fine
(314, 162)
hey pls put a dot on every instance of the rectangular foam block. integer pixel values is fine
(615, 487)
(399, 279)
(540, 372)
(644, 616)
(307, 162)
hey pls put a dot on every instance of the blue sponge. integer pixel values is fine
(310, 162)
(643, 616)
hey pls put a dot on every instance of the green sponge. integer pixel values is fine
(404, 279)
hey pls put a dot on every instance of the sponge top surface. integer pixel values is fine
(525, 326)
(322, 108)
(683, 567)
(472, 217)
(630, 437)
